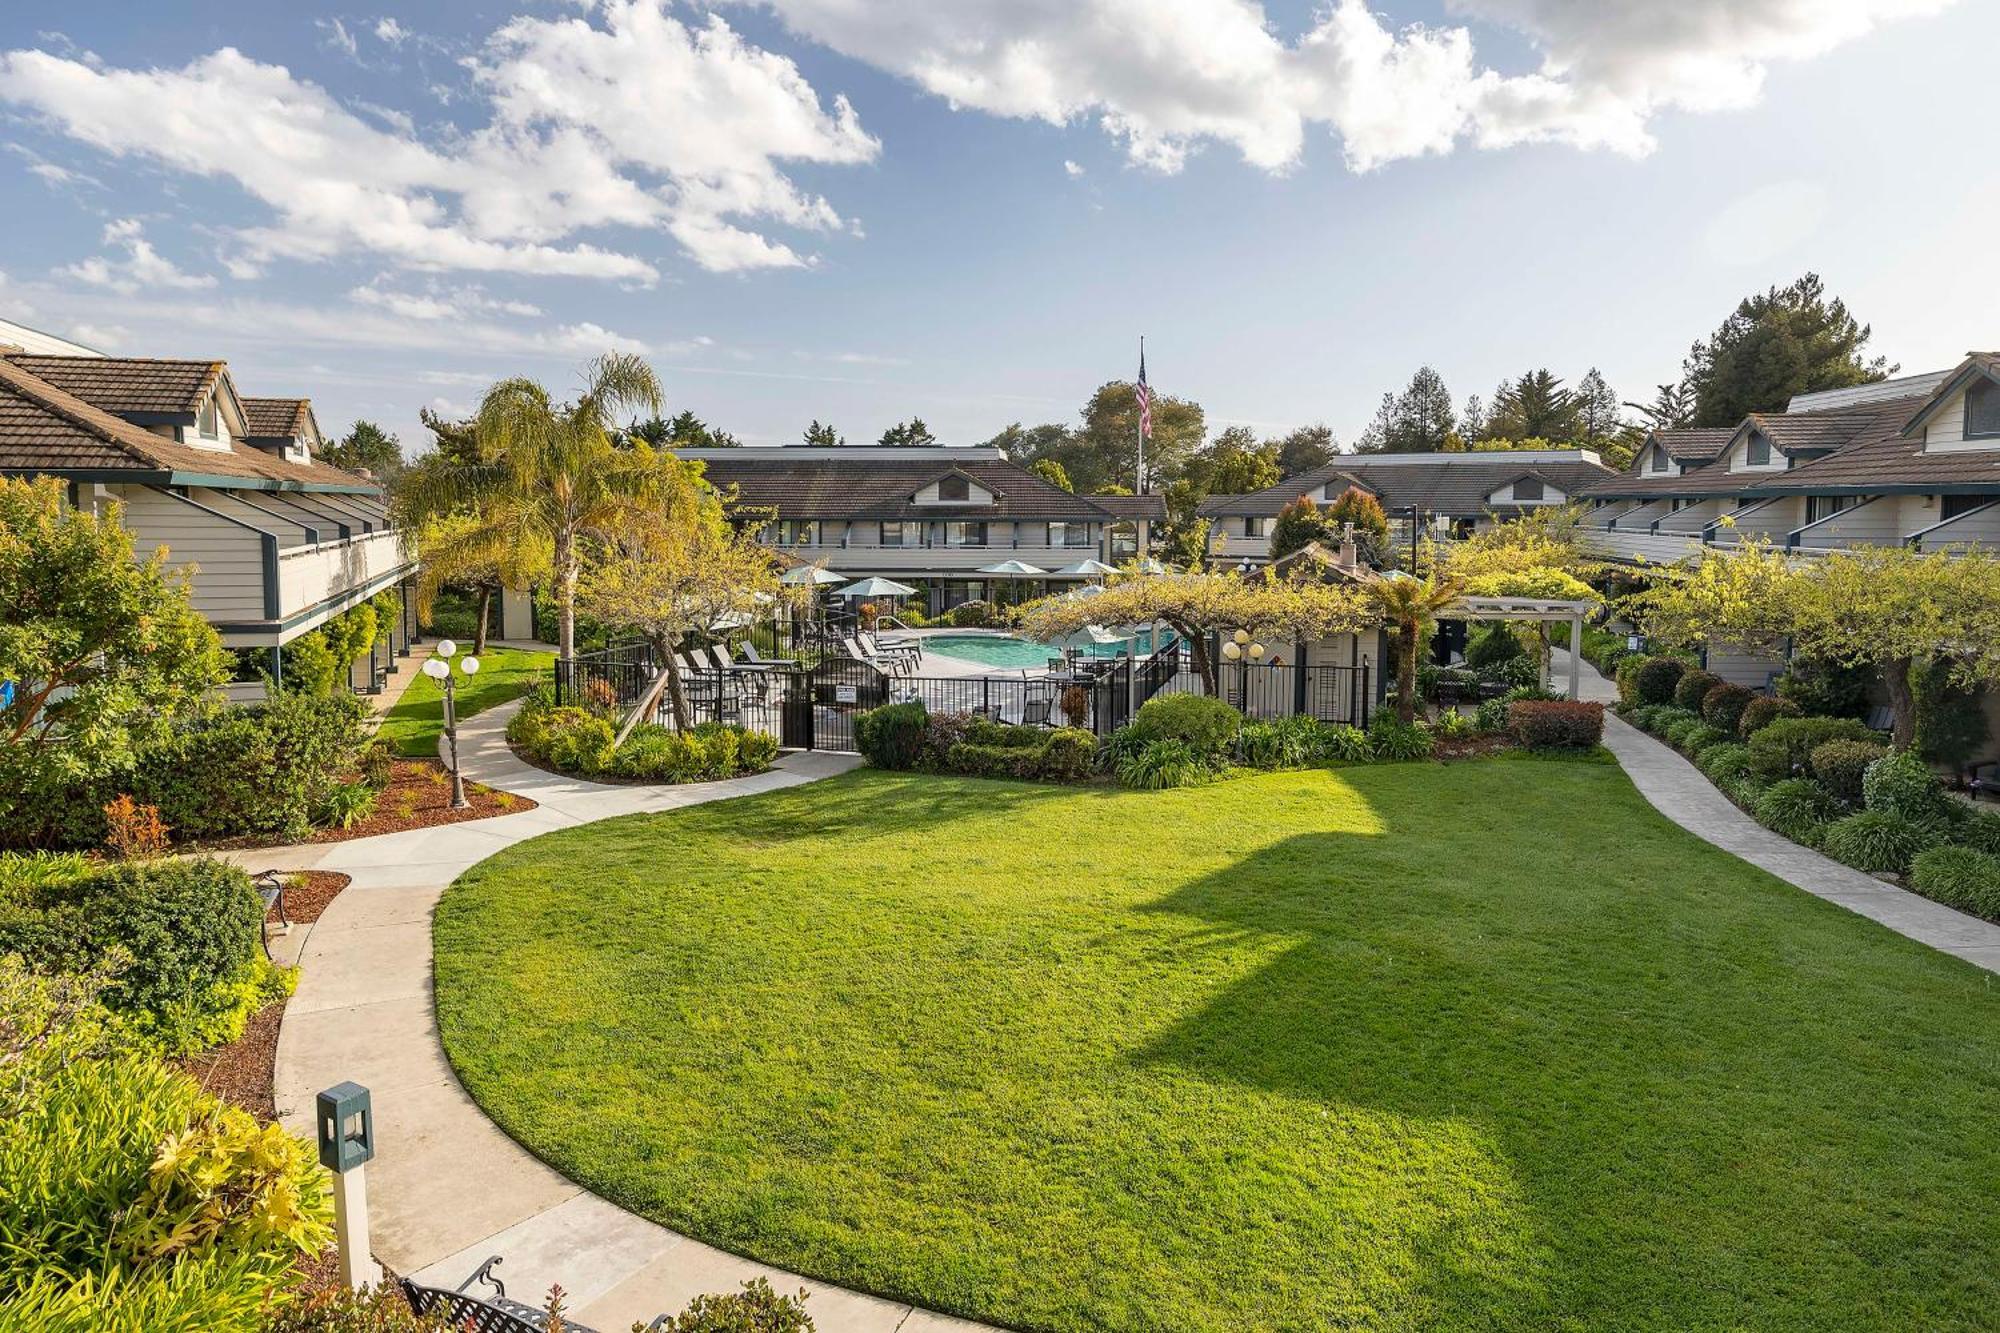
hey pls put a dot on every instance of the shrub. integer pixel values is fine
(1950, 724)
(1693, 687)
(1453, 724)
(1495, 644)
(1657, 678)
(1901, 784)
(1678, 730)
(1981, 830)
(1840, 765)
(1702, 736)
(1961, 877)
(755, 1309)
(1068, 755)
(1345, 744)
(1543, 725)
(1161, 764)
(191, 929)
(1796, 808)
(585, 746)
(377, 764)
(132, 831)
(756, 751)
(1391, 738)
(1826, 689)
(347, 805)
(1491, 715)
(1514, 671)
(1207, 724)
(1665, 716)
(971, 615)
(1722, 707)
(1876, 841)
(135, 1200)
(1725, 765)
(654, 753)
(27, 873)
(1762, 711)
(1783, 748)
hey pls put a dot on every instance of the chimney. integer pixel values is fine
(1349, 558)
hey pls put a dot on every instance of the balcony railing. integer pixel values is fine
(310, 575)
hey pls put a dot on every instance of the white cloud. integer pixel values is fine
(137, 265)
(626, 118)
(1072, 169)
(389, 32)
(1167, 76)
(103, 337)
(438, 300)
(334, 33)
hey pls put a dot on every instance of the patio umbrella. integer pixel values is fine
(875, 586)
(1013, 570)
(811, 576)
(1150, 566)
(1088, 569)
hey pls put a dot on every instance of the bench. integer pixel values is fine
(1984, 780)
(463, 1309)
(271, 892)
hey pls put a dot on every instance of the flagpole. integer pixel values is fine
(1140, 488)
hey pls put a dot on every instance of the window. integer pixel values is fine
(205, 418)
(964, 534)
(954, 488)
(1658, 461)
(1757, 453)
(1069, 534)
(1528, 488)
(798, 532)
(1253, 526)
(1951, 506)
(1826, 506)
(892, 534)
(1982, 411)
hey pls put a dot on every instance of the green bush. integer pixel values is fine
(1901, 784)
(1797, 808)
(1667, 716)
(1002, 750)
(1494, 645)
(189, 931)
(1549, 724)
(1206, 723)
(1722, 707)
(1762, 711)
(1981, 830)
(1678, 731)
(133, 1199)
(1841, 764)
(1657, 678)
(1960, 877)
(1876, 841)
(755, 1309)
(1785, 747)
(1725, 765)
(1693, 687)
(1826, 689)
(1514, 672)
(584, 747)
(27, 873)
(1392, 739)
(892, 737)
(1345, 744)
(654, 753)
(1950, 724)
(972, 615)
(1287, 742)
(1702, 736)
(347, 805)
(270, 768)
(1160, 764)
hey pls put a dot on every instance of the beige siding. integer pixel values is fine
(229, 561)
(1744, 666)
(1874, 522)
(1977, 529)
(1948, 426)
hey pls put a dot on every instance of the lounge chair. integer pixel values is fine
(882, 647)
(710, 690)
(891, 666)
(751, 657)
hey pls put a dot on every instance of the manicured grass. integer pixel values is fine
(1480, 1046)
(415, 723)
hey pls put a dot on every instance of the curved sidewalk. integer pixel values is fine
(447, 1188)
(1678, 790)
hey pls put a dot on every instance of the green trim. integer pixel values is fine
(153, 476)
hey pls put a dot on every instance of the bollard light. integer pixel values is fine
(344, 1122)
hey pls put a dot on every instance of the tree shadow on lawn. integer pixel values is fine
(1592, 1101)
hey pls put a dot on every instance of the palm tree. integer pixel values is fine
(544, 475)
(1410, 604)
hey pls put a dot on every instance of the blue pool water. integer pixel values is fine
(1015, 653)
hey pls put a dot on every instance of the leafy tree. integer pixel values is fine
(104, 651)
(674, 567)
(1304, 449)
(1109, 438)
(688, 431)
(911, 434)
(1786, 341)
(821, 435)
(547, 475)
(1235, 464)
(1371, 524)
(1536, 405)
(1049, 470)
(454, 440)
(1298, 525)
(1198, 605)
(466, 549)
(1410, 605)
(366, 445)
(654, 430)
(1112, 488)
(1672, 408)
(1417, 420)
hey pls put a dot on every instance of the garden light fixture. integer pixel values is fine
(438, 668)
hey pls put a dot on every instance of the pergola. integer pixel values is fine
(1548, 610)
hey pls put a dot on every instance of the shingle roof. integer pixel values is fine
(1456, 484)
(1882, 458)
(127, 385)
(1810, 433)
(1132, 506)
(47, 429)
(1697, 444)
(269, 418)
(877, 488)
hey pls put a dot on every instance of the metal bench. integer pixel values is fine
(271, 892)
(482, 1314)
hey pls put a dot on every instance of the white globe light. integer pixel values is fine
(1242, 636)
(1231, 651)
(447, 647)
(1256, 651)
(436, 669)
(470, 666)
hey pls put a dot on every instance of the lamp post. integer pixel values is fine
(438, 668)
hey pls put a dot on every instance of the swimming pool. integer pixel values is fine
(1016, 653)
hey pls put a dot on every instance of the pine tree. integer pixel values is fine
(823, 436)
(1536, 406)
(1598, 417)
(1414, 421)
(1787, 341)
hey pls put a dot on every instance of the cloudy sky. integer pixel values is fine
(857, 210)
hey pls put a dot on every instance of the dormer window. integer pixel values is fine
(1982, 411)
(954, 488)
(1757, 452)
(1657, 461)
(1528, 488)
(205, 418)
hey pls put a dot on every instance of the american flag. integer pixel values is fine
(1145, 399)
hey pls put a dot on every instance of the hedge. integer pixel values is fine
(1762, 711)
(1785, 747)
(1841, 764)
(1960, 877)
(1693, 687)
(1547, 725)
(583, 743)
(1722, 707)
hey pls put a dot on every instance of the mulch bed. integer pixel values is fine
(307, 893)
(1474, 747)
(418, 796)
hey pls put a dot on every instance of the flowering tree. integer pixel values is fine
(1198, 605)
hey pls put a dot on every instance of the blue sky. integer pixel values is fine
(969, 212)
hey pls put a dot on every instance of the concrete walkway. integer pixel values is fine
(1679, 791)
(447, 1188)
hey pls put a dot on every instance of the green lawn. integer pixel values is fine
(1480, 1046)
(415, 723)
